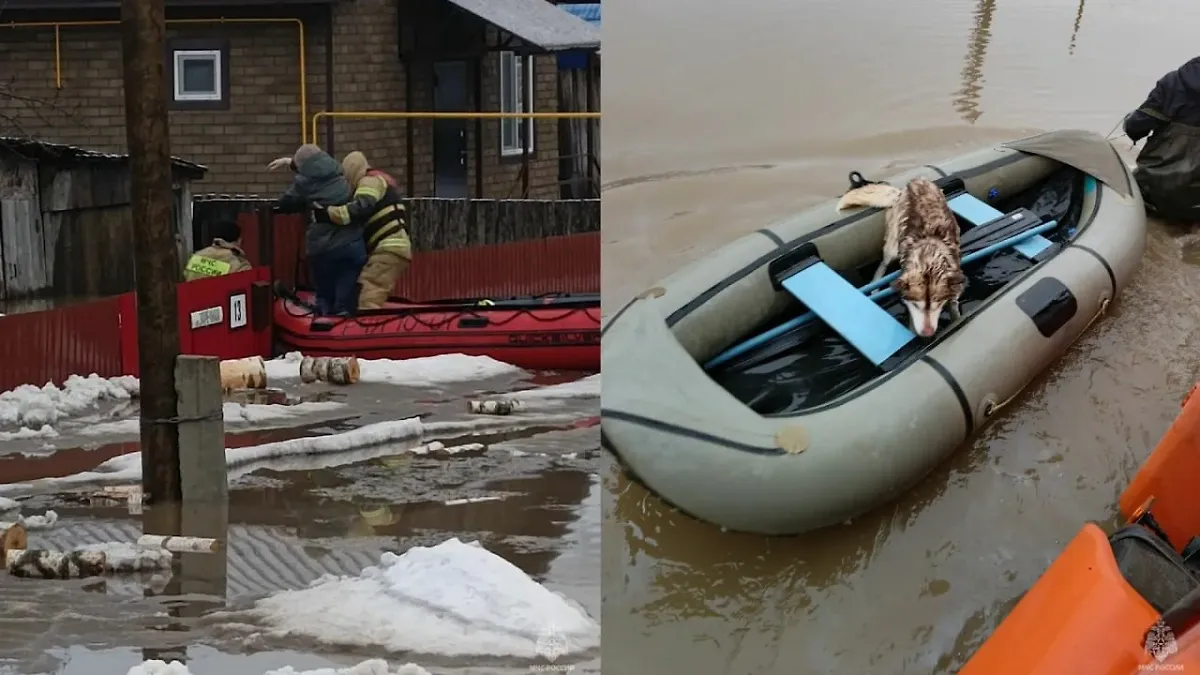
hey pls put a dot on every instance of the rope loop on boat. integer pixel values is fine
(1099, 313)
(992, 407)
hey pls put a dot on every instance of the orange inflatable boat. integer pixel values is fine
(1121, 604)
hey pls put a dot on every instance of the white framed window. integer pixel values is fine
(516, 75)
(197, 74)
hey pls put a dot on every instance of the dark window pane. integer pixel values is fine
(198, 76)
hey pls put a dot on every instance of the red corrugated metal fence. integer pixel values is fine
(552, 265)
(101, 336)
(49, 346)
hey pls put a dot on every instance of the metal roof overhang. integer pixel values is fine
(537, 22)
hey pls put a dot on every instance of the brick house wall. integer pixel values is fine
(502, 177)
(263, 120)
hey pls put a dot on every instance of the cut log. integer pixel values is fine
(55, 565)
(495, 407)
(466, 447)
(88, 561)
(14, 538)
(179, 544)
(126, 558)
(120, 492)
(331, 369)
(249, 373)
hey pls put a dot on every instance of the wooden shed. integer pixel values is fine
(66, 228)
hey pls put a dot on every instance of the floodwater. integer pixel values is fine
(724, 117)
(531, 496)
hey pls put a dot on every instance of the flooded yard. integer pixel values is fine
(524, 486)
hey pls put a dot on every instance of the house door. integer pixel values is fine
(450, 136)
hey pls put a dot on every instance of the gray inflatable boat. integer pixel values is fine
(772, 388)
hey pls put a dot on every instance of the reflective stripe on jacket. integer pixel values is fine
(214, 261)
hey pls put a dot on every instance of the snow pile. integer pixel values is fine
(428, 371)
(372, 667)
(127, 468)
(453, 599)
(251, 413)
(24, 433)
(553, 396)
(234, 413)
(11, 508)
(588, 387)
(43, 522)
(35, 407)
(157, 667)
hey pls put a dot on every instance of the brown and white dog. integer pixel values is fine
(922, 233)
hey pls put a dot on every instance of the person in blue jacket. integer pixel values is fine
(336, 252)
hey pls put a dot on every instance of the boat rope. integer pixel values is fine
(1099, 313)
(290, 293)
(1114, 130)
(991, 408)
(1110, 137)
(410, 318)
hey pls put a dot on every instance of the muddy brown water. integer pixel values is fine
(723, 117)
(532, 496)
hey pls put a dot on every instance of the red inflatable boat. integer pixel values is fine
(551, 332)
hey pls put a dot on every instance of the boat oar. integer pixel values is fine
(742, 348)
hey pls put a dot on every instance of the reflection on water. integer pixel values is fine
(1075, 28)
(916, 586)
(967, 99)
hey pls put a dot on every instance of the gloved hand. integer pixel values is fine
(280, 163)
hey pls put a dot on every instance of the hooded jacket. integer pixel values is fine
(377, 205)
(1168, 166)
(318, 178)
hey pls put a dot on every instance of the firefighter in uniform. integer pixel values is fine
(377, 206)
(223, 256)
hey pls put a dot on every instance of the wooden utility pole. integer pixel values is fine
(143, 27)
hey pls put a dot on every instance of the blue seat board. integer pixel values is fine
(978, 212)
(864, 324)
